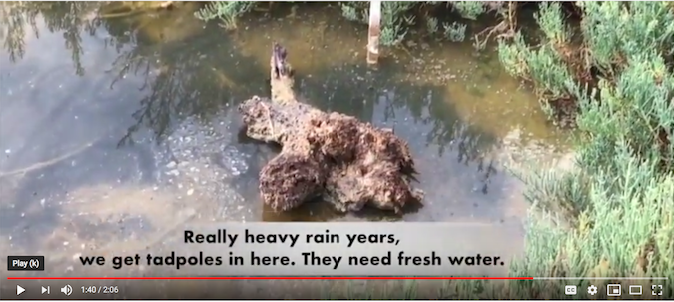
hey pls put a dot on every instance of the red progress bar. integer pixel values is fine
(271, 278)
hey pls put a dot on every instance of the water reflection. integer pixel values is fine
(142, 136)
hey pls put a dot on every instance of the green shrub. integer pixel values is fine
(395, 16)
(618, 204)
(227, 12)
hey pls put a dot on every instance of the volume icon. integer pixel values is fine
(68, 290)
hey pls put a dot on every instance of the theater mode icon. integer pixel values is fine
(635, 290)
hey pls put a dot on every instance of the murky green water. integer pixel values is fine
(115, 132)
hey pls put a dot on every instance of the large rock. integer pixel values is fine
(330, 155)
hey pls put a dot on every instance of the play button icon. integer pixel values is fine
(19, 290)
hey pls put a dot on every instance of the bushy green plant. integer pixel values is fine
(392, 27)
(469, 9)
(352, 14)
(617, 204)
(454, 31)
(432, 25)
(226, 11)
(395, 18)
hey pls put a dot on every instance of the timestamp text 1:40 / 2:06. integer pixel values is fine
(92, 289)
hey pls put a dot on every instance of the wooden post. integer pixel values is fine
(373, 32)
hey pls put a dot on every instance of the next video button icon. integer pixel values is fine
(25, 263)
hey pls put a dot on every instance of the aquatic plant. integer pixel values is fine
(350, 13)
(454, 31)
(226, 11)
(393, 30)
(432, 25)
(469, 9)
(396, 18)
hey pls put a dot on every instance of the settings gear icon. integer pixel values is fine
(592, 290)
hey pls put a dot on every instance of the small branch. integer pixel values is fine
(282, 82)
(48, 163)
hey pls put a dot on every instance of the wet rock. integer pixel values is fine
(330, 154)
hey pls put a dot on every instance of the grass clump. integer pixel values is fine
(396, 16)
(454, 31)
(226, 12)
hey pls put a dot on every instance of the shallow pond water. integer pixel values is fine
(115, 132)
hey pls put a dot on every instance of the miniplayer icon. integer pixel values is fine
(613, 290)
